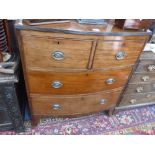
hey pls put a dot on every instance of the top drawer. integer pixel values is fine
(48, 53)
(110, 54)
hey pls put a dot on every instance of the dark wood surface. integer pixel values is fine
(75, 28)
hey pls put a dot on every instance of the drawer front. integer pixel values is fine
(142, 78)
(138, 99)
(146, 66)
(72, 105)
(110, 54)
(77, 83)
(47, 53)
(140, 88)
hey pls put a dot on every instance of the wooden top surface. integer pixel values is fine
(74, 27)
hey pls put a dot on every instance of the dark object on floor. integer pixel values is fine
(10, 116)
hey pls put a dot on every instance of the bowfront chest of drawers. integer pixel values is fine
(72, 69)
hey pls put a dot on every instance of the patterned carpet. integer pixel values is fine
(137, 121)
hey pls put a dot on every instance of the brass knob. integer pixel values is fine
(56, 106)
(103, 101)
(132, 101)
(58, 55)
(110, 81)
(56, 84)
(120, 55)
(145, 78)
(139, 89)
(151, 68)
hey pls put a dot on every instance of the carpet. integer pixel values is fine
(137, 121)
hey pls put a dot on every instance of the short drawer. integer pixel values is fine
(49, 53)
(74, 104)
(142, 78)
(146, 66)
(110, 54)
(137, 99)
(140, 88)
(66, 83)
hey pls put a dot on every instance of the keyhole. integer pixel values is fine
(58, 42)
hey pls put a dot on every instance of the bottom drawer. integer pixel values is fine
(137, 100)
(73, 104)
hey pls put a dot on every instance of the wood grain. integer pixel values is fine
(38, 53)
(77, 83)
(77, 104)
(120, 37)
(105, 56)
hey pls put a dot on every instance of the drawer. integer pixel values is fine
(111, 54)
(142, 78)
(137, 99)
(140, 88)
(77, 82)
(146, 66)
(48, 53)
(73, 104)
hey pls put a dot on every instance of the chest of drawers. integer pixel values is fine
(70, 69)
(141, 88)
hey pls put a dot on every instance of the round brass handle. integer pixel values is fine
(103, 101)
(132, 101)
(145, 78)
(120, 55)
(139, 89)
(58, 55)
(56, 106)
(56, 84)
(110, 81)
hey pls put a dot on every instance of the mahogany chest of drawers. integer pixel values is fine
(72, 69)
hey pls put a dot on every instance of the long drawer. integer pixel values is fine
(77, 82)
(48, 53)
(137, 100)
(110, 54)
(73, 104)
